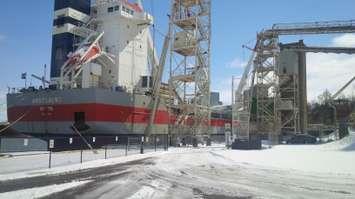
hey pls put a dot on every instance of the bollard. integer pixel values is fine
(126, 147)
(81, 156)
(155, 142)
(51, 146)
(142, 145)
(166, 144)
(50, 159)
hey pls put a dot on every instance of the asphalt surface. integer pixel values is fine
(96, 175)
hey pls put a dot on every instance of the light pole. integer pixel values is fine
(234, 107)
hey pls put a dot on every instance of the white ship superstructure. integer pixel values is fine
(126, 42)
(127, 38)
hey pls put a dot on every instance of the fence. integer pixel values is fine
(22, 144)
(60, 151)
(104, 147)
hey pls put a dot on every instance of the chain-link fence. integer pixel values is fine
(62, 151)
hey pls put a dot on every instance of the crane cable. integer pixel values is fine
(17, 120)
(83, 138)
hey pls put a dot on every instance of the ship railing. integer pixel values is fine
(14, 90)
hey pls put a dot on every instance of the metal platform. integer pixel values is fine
(188, 3)
(187, 51)
(188, 23)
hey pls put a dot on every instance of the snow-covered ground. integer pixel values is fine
(285, 171)
(17, 162)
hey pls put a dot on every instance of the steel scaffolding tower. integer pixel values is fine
(279, 97)
(282, 104)
(266, 90)
(189, 82)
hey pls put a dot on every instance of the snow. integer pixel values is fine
(333, 157)
(303, 158)
(295, 171)
(19, 167)
(18, 162)
(144, 192)
(217, 171)
(39, 192)
(345, 144)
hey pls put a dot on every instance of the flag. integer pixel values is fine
(23, 75)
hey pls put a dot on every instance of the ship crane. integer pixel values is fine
(266, 76)
(342, 88)
(42, 79)
(158, 76)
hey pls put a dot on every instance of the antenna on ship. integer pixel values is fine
(44, 72)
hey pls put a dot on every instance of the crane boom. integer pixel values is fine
(244, 78)
(343, 88)
(42, 79)
(157, 82)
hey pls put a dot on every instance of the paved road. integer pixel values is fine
(193, 174)
(101, 174)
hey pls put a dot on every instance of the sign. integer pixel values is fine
(47, 100)
(25, 142)
(93, 139)
(51, 144)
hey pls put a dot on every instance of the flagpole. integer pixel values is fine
(24, 76)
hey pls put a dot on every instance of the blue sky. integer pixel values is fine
(25, 32)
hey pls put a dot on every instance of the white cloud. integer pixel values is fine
(328, 71)
(345, 40)
(224, 85)
(236, 63)
(331, 71)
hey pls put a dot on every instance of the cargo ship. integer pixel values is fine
(100, 75)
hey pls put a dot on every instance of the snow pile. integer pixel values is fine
(40, 192)
(345, 144)
(334, 157)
